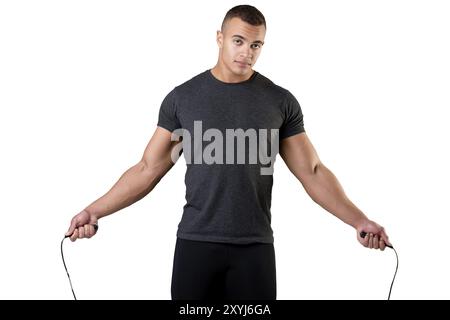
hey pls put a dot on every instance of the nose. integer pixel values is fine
(246, 53)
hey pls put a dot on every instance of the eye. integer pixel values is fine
(256, 46)
(237, 41)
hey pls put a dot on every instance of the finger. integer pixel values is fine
(81, 232)
(87, 231)
(382, 245)
(92, 228)
(366, 240)
(74, 235)
(73, 225)
(385, 237)
(375, 242)
(91, 231)
(371, 240)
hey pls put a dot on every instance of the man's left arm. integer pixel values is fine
(323, 187)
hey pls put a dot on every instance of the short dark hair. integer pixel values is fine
(246, 13)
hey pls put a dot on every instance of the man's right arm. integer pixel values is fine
(133, 185)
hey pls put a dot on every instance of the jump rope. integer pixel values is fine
(64, 262)
(362, 235)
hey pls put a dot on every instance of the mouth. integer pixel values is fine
(242, 64)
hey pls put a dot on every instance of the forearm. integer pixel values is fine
(324, 188)
(132, 186)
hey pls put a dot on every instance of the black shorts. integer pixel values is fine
(223, 271)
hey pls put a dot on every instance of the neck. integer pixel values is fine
(222, 73)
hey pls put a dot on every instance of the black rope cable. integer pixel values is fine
(65, 267)
(363, 235)
(64, 262)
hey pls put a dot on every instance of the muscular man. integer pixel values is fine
(232, 122)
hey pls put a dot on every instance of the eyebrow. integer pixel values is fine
(241, 37)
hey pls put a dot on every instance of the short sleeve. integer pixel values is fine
(168, 118)
(293, 117)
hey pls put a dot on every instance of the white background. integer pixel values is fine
(80, 88)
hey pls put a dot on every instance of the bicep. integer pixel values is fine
(299, 155)
(160, 150)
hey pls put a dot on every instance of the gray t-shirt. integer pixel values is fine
(228, 199)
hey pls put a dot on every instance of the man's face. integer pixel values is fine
(240, 44)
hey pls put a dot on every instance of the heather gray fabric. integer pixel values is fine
(229, 202)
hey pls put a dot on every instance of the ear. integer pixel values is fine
(219, 39)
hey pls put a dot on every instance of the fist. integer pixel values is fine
(83, 225)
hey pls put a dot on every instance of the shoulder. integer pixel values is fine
(191, 85)
(273, 89)
(285, 100)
